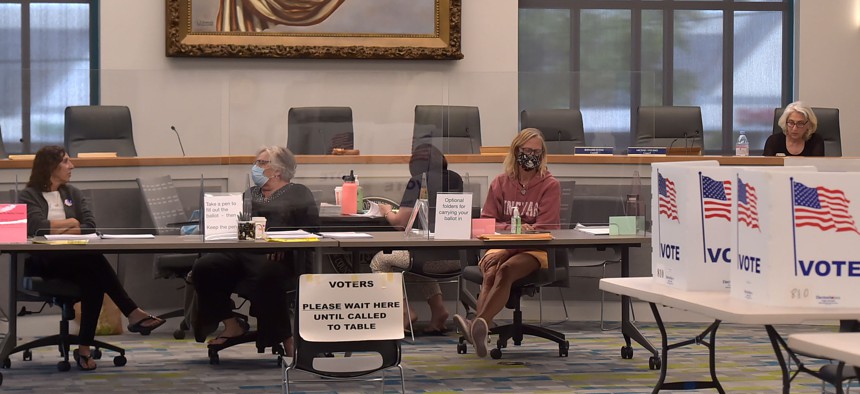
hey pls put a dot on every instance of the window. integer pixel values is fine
(47, 54)
(731, 58)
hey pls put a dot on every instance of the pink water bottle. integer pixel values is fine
(349, 195)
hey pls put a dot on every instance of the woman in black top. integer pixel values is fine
(285, 205)
(427, 162)
(798, 138)
(56, 207)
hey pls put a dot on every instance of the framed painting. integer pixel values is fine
(332, 29)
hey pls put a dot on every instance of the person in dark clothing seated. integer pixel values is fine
(56, 207)
(798, 138)
(285, 205)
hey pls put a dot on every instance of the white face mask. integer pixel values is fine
(257, 176)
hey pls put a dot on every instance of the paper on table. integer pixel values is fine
(593, 230)
(371, 212)
(62, 237)
(290, 234)
(346, 234)
(128, 236)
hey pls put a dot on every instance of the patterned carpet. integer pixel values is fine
(159, 363)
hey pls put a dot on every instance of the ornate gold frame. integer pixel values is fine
(444, 45)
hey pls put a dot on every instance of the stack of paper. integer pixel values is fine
(292, 234)
(346, 234)
(67, 237)
(371, 212)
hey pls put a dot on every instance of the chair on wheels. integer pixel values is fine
(65, 294)
(99, 128)
(164, 207)
(451, 128)
(670, 127)
(319, 130)
(530, 285)
(828, 128)
(562, 128)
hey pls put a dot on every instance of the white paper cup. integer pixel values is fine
(338, 191)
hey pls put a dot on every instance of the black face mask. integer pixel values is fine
(528, 162)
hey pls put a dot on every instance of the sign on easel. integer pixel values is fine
(350, 307)
(13, 223)
(221, 212)
(453, 216)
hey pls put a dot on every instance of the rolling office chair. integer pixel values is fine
(452, 129)
(562, 128)
(828, 129)
(65, 294)
(319, 130)
(670, 127)
(164, 207)
(99, 128)
(529, 285)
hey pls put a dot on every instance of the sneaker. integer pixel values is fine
(464, 326)
(480, 336)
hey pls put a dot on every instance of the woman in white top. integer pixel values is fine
(55, 207)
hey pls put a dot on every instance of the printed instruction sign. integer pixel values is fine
(13, 223)
(221, 212)
(453, 216)
(350, 307)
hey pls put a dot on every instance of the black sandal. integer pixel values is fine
(82, 360)
(145, 330)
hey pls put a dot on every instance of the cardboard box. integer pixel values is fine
(796, 238)
(691, 211)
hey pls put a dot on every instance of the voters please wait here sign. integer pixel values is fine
(351, 307)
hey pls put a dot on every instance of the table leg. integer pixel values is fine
(778, 345)
(663, 361)
(628, 329)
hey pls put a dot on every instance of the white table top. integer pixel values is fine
(842, 346)
(721, 305)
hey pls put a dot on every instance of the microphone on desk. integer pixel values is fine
(685, 141)
(178, 138)
(674, 141)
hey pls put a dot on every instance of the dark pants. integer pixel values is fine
(262, 281)
(95, 277)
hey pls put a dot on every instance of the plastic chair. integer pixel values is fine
(99, 128)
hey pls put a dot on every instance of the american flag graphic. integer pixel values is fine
(826, 209)
(667, 205)
(717, 197)
(747, 205)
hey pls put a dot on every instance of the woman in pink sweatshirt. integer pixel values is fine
(527, 185)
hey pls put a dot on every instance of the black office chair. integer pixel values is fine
(530, 285)
(99, 128)
(3, 153)
(828, 128)
(65, 294)
(562, 128)
(670, 127)
(164, 207)
(319, 130)
(452, 129)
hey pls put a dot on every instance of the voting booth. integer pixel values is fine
(796, 238)
(691, 243)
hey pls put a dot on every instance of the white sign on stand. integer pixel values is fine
(221, 212)
(798, 247)
(453, 216)
(350, 307)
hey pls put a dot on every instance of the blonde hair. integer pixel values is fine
(520, 140)
(807, 113)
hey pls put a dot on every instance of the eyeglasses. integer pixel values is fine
(791, 123)
(529, 151)
(260, 163)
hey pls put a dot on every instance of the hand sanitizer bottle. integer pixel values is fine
(516, 222)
